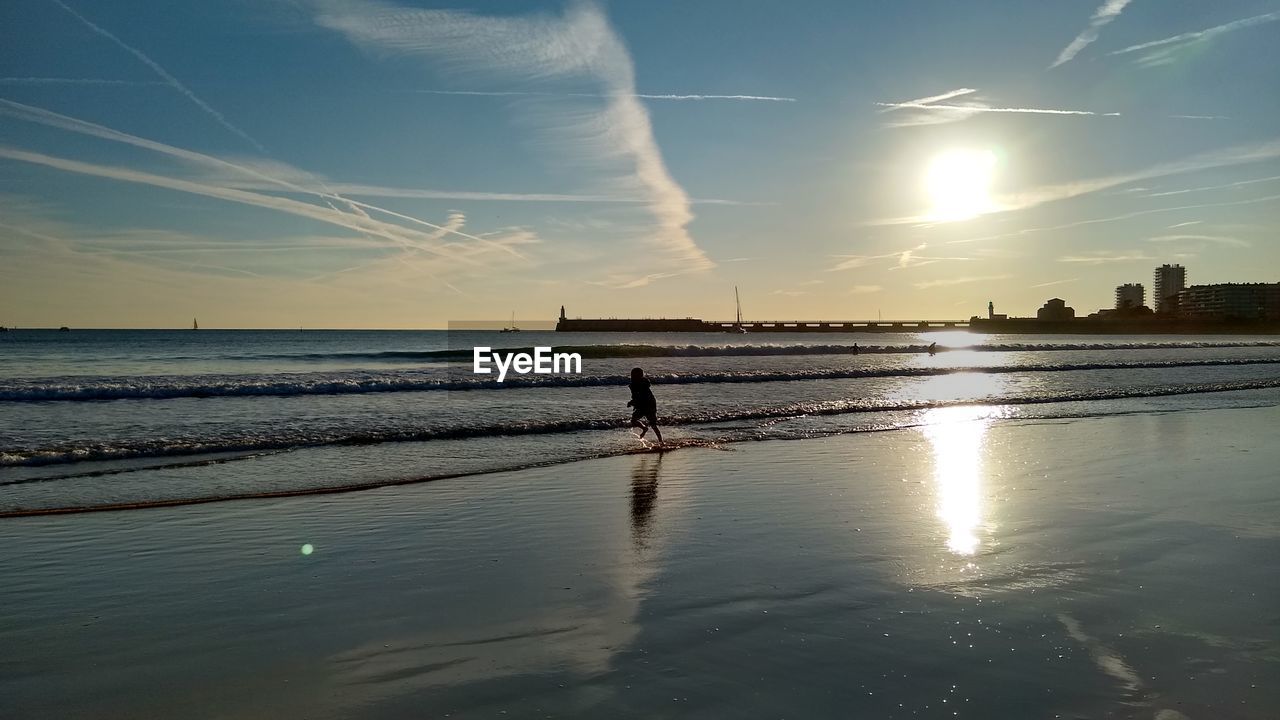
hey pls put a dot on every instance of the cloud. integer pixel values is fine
(628, 282)
(959, 281)
(903, 259)
(932, 111)
(1241, 183)
(958, 92)
(258, 175)
(76, 81)
(791, 293)
(164, 74)
(864, 289)
(1115, 218)
(1239, 155)
(979, 108)
(1107, 12)
(578, 48)
(1217, 239)
(643, 96)
(1102, 257)
(1165, 51)
(1051, 283)
(1185, 224)
(408, 239)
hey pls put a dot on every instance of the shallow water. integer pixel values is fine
(1098, 566)
(98, 418)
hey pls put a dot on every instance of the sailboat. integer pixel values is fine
(194, 325)
(513, 327)
(737, 326)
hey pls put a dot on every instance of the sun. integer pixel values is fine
(959, 184)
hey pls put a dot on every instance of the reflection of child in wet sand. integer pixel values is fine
(644, 403)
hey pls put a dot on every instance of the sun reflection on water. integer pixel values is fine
(956, 435)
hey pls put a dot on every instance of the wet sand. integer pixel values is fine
(1101, 567)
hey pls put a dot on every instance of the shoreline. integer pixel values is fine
(678, 443)
(978, 562)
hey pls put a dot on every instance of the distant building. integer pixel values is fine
(1130, 296)
(1230, 301)
(1170, 280)
(1056, 309)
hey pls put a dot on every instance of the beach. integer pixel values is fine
(972, 566)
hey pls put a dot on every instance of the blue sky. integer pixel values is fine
(346, 163)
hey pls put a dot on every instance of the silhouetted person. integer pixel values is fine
(855, 348)
(644, 403)
(933, 348)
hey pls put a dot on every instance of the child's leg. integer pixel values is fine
(653, 422)
(635, 422)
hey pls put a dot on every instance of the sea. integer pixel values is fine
(95, 419)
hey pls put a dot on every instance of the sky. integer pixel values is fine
(401, 164)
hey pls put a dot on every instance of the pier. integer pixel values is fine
(756, 326)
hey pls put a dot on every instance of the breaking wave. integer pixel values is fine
(166, 447)
(168, 388)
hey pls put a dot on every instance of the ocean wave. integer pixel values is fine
(169, 388)
(647, 350)
(66, 454)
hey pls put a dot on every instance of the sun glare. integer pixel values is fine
(959, 184)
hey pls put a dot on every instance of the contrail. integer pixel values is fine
(516, 93)
(404, 237)
(164, 74)
(73, 81)
(1102, 17)
(930, 100)
(1208, 32)
(978, 109)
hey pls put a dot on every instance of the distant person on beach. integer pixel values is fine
(933, 348)
(644, 404)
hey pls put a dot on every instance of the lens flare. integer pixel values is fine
(307, 549)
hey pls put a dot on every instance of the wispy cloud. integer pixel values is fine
(1116, 218)
(864, 289)
(642, 96)
(933, 111)
(977, 108)
(629, 282)
(948, 95)
(1103, 257)
(901, 259)
(260, 175)
(577, 47)
(1226, 157)
(409, 239)
(164, 75)
(959, 281)
(1216, 239)
(1165, 51)
(1101, 17)
(77, 81)
(1207, 188)
(1051, 283)
(1175, 226)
